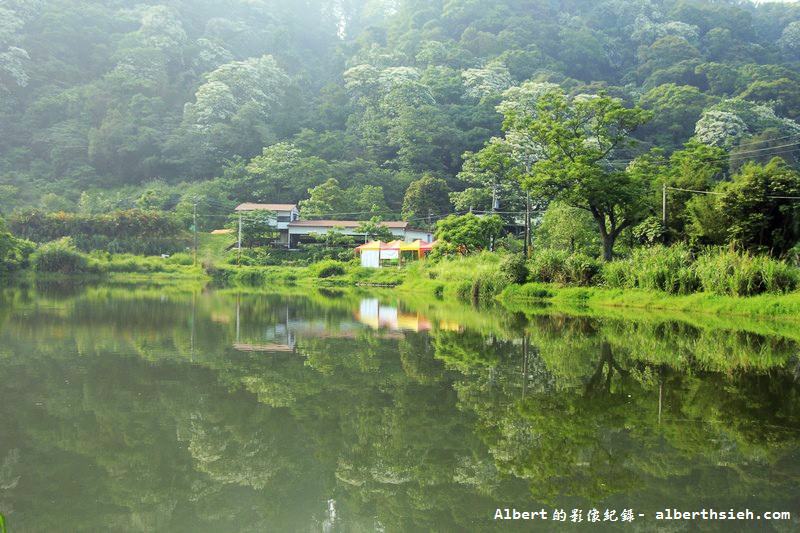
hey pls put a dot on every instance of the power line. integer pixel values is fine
(722, 193)
(784, 148)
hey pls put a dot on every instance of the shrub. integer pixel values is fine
(558, 266)
(548, 266)
(253, 277)
(513, 267)
(60, 256)
(581, 269)
(327, 268)
(134, 231)
(486, 285)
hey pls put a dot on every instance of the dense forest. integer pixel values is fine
(398, 107)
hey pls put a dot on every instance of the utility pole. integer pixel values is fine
(239, 243)
(194, 226)
(527, 225)
(664, 211)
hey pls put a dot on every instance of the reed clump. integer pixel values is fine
(676, 270)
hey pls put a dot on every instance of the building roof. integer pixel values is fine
(344, 223)
(221, 231)
(265, 207)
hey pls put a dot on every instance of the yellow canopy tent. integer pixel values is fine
(371, 245)
(391, 250)
(419, 247)
(370, 253)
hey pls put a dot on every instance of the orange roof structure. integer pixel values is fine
(371, 245)
(396, 244)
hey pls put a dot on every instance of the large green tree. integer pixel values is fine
(762, 207)
(577, 139)
(468, 233)
(425, 198)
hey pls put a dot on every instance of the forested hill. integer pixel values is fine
(109, 102)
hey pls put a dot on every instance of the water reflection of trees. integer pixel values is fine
(609, 406)
(160, 423)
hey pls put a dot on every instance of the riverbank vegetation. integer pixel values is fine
(650, 146)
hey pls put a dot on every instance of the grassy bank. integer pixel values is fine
(656, 279)
(574, 298)
(487, 277)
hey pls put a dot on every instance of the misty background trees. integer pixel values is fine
(265, 101)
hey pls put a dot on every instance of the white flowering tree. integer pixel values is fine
(13, 15)
(492, 79)
(790, 41)
(257, 82)
(726, 123)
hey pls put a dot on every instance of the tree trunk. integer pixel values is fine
(608, 247)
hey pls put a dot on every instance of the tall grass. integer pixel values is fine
(736, 274)
(661, 268)
(675, 270)
(474, 277)
(559, 266)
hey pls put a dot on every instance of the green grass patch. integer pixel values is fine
(764, 305)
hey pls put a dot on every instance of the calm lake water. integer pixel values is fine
(151, 408)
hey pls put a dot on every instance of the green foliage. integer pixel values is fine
(649, 231)
(375, 230)
(150, 101)
(741, 274)
(426, 197)
(60, 256)
(327, 268)
(676, 270)
(675, 111)
(467, 233)
(760, 220)
(696, 167)
(755, 210)
(259, 227)
(566, 228)
(147, 232)
(514, 268)
(559, 266)
(490, 173)
(548, 266)
(327, 201)
(582, 269)
(176, 264)
(575, 137)
(14, 253)
(669, 269)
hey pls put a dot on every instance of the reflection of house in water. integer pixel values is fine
(376, 316)
(284, 335)
(386, 321)
(276, 337)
